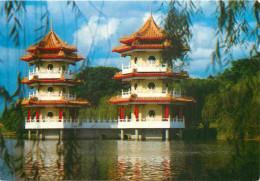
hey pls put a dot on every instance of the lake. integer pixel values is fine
(132, 160)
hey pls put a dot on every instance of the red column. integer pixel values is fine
(121, 112)
(37, 115)
(136, 112)
(75, 115)
(180, 112)
(166, 111)
(60, 117)
(29, 114)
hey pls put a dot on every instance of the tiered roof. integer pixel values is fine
(34, 101)
(168, 74)
(25, 80)
(134, 99)
(149, 36)
(52, 47)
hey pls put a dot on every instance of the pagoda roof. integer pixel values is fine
(119, 75)
(149, 31)
(149, 36)
(51, 47)
(57, 55)
(168, 99)
(51, 42)
(34, 101)
(25, 80)
(139, 45)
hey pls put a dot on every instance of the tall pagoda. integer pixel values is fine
(51, 80)
(156, 108)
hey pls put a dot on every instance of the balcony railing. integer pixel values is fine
(151, 93)
(103, 123)
(149, 68)
(52, 96)
(175, 118)
(48, 74)
(144, 68)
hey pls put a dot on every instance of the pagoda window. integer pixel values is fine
(50, 89)
(64, 68)
(151, 113)
(64, 90)
(167, 86)
(50, 114)
(50, 67)
(151, 85)
(64, 114)
(135, 86)
(135, 60)
(152, 59)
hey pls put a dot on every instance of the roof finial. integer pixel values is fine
(151, 10)
(51, 25)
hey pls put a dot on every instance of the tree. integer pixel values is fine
(234, 106)
(98, 82)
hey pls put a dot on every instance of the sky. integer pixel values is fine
(99, 28)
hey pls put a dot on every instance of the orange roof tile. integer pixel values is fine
(149, 36)
(75, 57)
(149, 31)
(36, 80)
(51, 42)
(35, 101)
(132, 98)
(51, 47)
(119, 75)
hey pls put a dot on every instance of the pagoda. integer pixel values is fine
(156, 107)
(51, 79)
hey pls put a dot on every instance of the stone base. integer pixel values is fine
(133, 134)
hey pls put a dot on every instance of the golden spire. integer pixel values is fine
(51, 25)
(150, 10)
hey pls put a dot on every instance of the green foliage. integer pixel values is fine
(198, 89)
(98, 82)
(229, 100)
(13, 119)
(103, 110)
(235, 104)
(177, 27)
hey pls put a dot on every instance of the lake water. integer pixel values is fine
(132, 160)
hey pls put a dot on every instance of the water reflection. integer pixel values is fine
(143, 160)
(128, 160)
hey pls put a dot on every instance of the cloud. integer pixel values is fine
(114, 62)
(158, 18)
(97, 30)
(203, 36)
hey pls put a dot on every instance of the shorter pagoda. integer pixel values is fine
(51, 79)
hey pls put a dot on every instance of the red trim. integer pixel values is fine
(151, 100)
(166, 111)
(49, 81)
(56, 104)
(50, 57)
(141, 38)
(37, 115)
(61, 112)
(148, 75)
(49, 49)
(131, 100)
(136, 112)
(121, 112)
(137, 47)
(29, 114)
